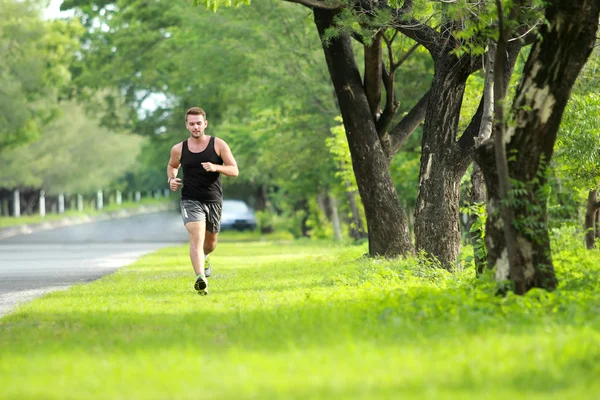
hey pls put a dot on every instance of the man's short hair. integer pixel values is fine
(195, 111)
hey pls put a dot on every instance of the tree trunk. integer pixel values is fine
(335, 218)
(357, 229)
(590, 219)
(328, 203)
(262, 204)
(373, 74)
(302, 204)
(437, 226)
(386, 220)
(444, 159)
(550, 72)
(597, 224)
(262, 197)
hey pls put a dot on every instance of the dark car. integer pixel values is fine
(237, 216)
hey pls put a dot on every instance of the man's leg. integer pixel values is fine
(194, 219)
(196, 230)
(210, 242)
(213, 224)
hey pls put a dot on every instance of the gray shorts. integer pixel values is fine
(194, 210)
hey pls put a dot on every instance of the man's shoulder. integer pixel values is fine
(219, 141)
(178, 146)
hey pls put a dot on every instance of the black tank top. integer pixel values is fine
(199, 184)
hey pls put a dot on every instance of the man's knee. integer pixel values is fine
(196, 231)
(210, 242)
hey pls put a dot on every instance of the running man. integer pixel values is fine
(203, 158)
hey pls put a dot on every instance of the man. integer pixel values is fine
(203, 158)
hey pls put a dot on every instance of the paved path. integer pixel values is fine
(35, 264)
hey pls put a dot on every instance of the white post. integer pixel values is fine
(119, 198)
(79, 202)
(167, 193)
(42, 203)
(16, 203)
(138, 197)
(99, 200)
(61, 203)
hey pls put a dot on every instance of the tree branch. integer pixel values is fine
(388, 81)
(322, 5)
(471, 138)
(391, 105)
(405, 57)
(420, 33)
(407, 125)
(373, 74)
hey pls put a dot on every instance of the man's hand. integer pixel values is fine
(175, 184)
(210, 167)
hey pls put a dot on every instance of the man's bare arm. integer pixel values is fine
(229, 166)
(173, 167)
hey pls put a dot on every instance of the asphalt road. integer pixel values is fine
(34, 264)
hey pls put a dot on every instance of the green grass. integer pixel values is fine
(305, 320)
(36, 219)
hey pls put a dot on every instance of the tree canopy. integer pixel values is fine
(34, 72)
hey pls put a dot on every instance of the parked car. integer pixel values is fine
(237, 216)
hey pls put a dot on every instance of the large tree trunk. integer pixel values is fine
(386, 220)
(590, 218)
(444, 159)
(437, 228)
(550, 72)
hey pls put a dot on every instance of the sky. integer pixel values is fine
(53, 10)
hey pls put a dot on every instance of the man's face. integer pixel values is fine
(196, 124)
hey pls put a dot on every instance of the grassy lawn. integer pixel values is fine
(305, 320)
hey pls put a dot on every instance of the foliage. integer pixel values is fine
(292, 333)
(75, 155)
(338, 147)
(214, 4)
(35, 55)
(578, 143)
(405, 171)
(254, 91)
(317, 222)
(530, 199)
(477, 231)
(576, 161)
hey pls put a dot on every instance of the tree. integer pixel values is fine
(519, 250)
(369, 104)
(34, 72)
(577, 156)
(274, 125)
(75, 155)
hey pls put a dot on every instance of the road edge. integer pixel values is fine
(26, 229)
